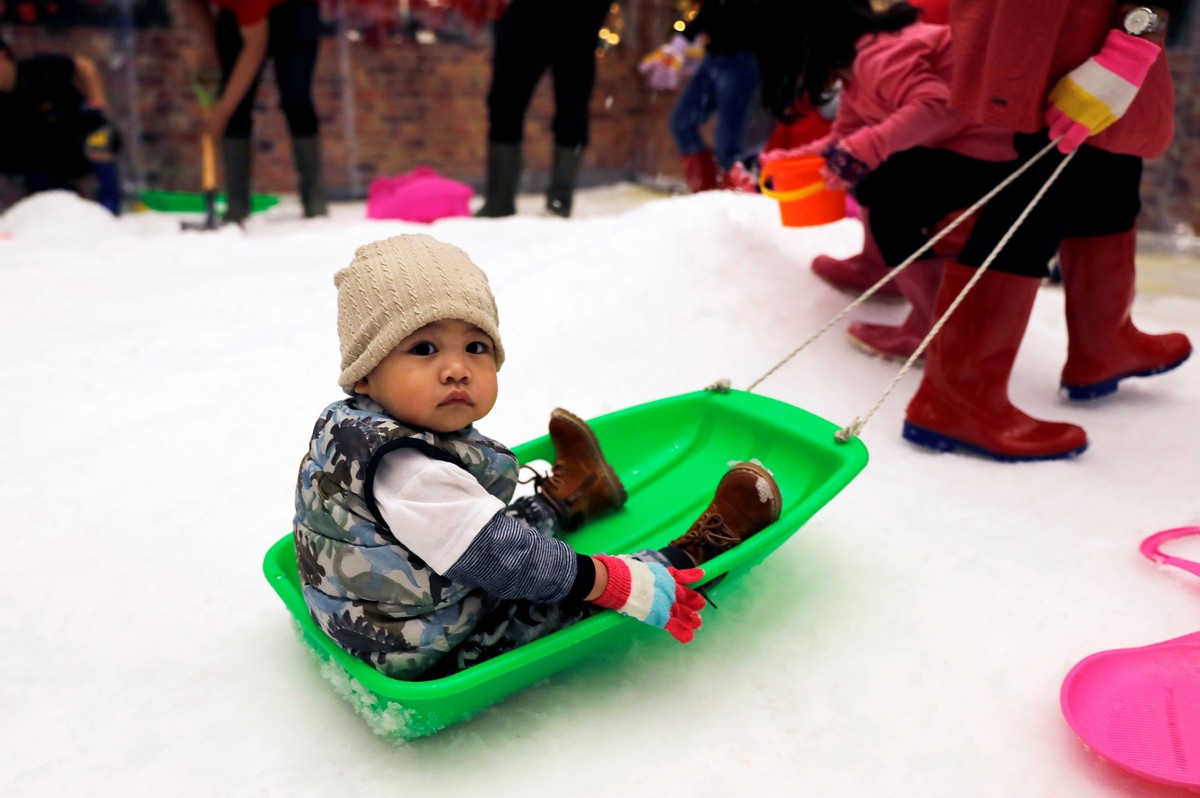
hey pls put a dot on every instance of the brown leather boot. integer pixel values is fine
(747, 500)
(582, 485)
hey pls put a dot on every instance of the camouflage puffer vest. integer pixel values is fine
(375, 598)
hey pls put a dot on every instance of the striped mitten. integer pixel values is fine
(1097, 93)
(653, 594)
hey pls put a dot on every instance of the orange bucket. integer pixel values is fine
(803, 199)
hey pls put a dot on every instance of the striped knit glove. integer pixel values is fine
(1092, 96)
(653, 594)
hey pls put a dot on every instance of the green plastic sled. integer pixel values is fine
(670, 454)
(193, 202)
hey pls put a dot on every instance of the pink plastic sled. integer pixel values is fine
(1139, 708)
(421, 195)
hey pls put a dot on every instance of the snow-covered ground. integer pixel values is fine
(159, 388)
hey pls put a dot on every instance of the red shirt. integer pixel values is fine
(248, 11)
(935, 12)
(1010, 53)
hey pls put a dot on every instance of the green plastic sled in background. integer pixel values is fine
(670, 454)
(193, 202)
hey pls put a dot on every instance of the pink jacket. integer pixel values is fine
(1012, 52)
(898, 98)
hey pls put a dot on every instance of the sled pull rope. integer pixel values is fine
(853, 428)
(897, 269)
(856, 426)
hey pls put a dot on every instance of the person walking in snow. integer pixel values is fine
(909, 159)
(241, 36)
(530, 37)
(724, 83)
(1094, 74)
(411, 552)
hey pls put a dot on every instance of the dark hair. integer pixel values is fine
(6, 49)
(801, 43)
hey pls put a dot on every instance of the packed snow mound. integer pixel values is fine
(58, 216)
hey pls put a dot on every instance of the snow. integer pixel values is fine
(910, 640)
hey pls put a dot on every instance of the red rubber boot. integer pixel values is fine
(1103, 345)
(962, 403)
(919, 283)
(859, 272)
(700, 171)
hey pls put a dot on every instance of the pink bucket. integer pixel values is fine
(421, 195)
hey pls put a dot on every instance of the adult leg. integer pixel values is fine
(573, 67)
(736, 92)
(518, 60)
(1099, 286)
(236, 144)
(295, 28)
(962, 403)
(697, 102)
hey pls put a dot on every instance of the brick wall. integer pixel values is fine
(407, 104)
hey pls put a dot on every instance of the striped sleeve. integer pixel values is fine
(511, 560)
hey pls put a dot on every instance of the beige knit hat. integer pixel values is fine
(396, 286)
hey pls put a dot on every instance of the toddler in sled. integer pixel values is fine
(412, 554)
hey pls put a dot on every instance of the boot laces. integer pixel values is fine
(539, 479)
(711, 530)
(553, 482)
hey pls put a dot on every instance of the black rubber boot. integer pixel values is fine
(561, 193)
(306, 151)
(503, 172)
(238, 160)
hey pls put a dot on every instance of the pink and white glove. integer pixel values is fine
(1097, 93)
(740, 179)
(663, 66)
(653, 594)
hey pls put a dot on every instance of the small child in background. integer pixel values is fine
(723, 85)
(56, 134)
(859, 272)
(412, 554)
(896, 144)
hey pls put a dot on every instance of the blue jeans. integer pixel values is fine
(726, 85)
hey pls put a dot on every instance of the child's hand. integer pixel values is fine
(1094, 95)
(653, 594)
(843, 170)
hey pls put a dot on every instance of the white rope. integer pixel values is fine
(852, 429)
(904, 265)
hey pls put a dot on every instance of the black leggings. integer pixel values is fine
(1098, 194)
(533, 35)
(295, 28)
(915, 189)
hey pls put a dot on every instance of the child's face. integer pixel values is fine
(440, 378)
